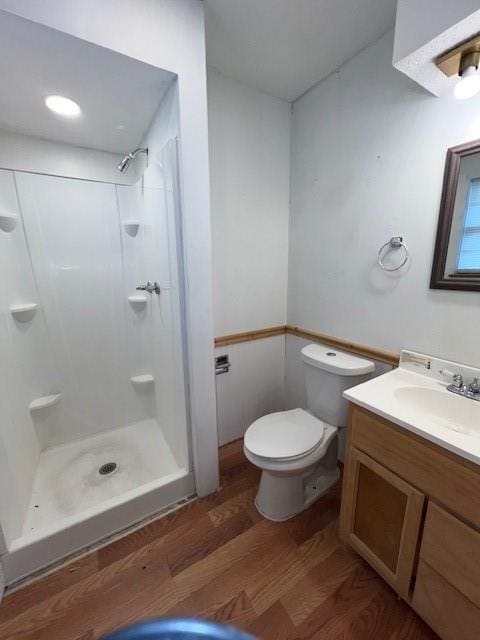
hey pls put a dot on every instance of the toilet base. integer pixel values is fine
(289, 505)
(280, 497)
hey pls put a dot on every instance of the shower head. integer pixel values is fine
(124, 163)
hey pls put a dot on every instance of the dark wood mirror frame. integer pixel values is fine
(463, 282)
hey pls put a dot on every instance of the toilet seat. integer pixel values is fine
(284, 435)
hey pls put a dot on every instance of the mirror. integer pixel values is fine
(456, 262)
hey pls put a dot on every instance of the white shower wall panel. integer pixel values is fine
(162, 142)
(155, 346)
(20, 343)
(142, 264)
(74, 236)
(175, 391)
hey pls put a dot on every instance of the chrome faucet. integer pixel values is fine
(470, 390)
(150, 287)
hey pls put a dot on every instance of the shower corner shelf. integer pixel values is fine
(142, 380)
(8, 222)
(44, 402)
(131, 227)
(24, 312)
(138, 302)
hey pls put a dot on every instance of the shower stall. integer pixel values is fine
(93, 402)
(107, 390)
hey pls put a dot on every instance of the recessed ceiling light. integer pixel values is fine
(63, 106)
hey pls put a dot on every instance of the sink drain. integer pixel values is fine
(108, 467)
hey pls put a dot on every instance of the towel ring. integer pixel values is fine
(394, 243)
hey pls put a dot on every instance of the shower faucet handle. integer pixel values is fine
(150, 287)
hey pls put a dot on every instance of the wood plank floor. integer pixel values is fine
(217, 558)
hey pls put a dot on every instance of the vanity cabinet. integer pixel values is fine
(412, 510)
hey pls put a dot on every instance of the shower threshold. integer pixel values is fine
(89, 489)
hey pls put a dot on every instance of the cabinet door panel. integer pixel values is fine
(381, 517)
(446, 610)
(452, 549)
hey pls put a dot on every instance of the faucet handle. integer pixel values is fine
(474, 386)
(457, 378)
(150, 287)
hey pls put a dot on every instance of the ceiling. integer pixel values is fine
(118, 95)
(284, 47)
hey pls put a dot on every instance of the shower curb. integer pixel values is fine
(54, 566)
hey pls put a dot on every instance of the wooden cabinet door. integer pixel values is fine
(380, 519)
(447, 588)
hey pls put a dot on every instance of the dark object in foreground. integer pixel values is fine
(179, 629)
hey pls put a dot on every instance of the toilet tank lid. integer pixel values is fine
(334, 361)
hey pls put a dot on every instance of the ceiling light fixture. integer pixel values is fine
(463, 61)
(63, 106)
(469, 83)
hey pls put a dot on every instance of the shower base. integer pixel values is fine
(74, 505)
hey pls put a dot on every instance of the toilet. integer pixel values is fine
(297, 450)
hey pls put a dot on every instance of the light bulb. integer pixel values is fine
(469, 83)
(63, 106)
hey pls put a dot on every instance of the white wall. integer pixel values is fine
(368, 154)
(164, 126)
(249, 138)
(254, 386)
(28, 153)
(168, 34)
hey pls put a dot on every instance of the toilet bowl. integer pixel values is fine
(297, 450)
(288, 446)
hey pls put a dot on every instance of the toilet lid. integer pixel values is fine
(286, 434)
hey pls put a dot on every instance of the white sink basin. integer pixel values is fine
(440, 407)
(421, 403)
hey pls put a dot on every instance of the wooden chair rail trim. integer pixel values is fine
(389, 357)
(248, 336)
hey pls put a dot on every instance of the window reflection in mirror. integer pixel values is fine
(464, 246)
(457, 251)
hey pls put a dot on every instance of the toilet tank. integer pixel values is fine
(328, 373)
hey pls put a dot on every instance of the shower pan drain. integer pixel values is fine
(108, 467)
